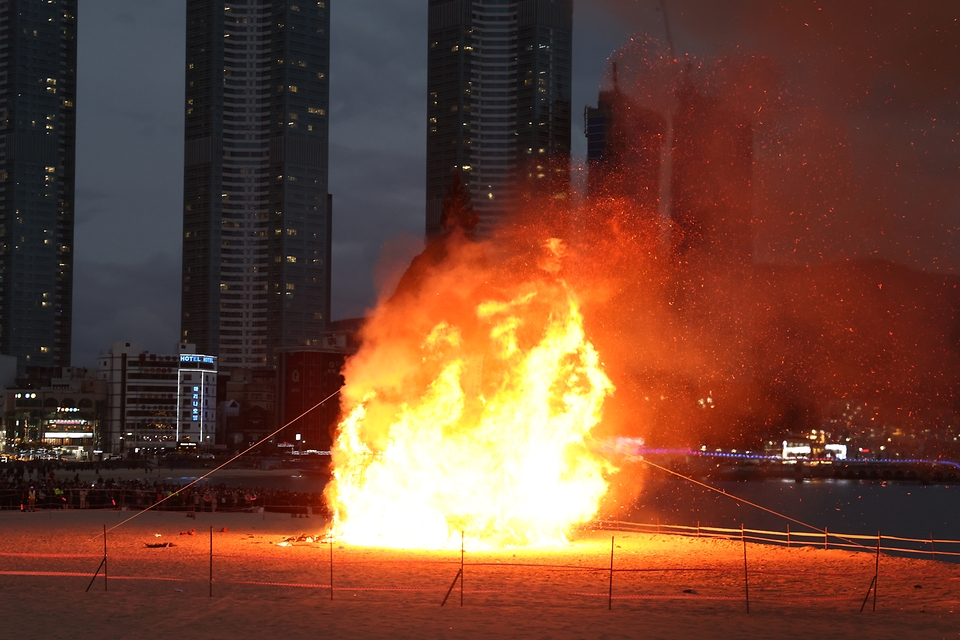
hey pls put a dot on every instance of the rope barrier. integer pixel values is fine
(213, 471)
(814, 539)
(762, 597)
(742, 500)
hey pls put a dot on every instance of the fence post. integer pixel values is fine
(104, 557)
(211, 561)
(826, 536)
(788, 535)
(933, 550)
(610, 594)
(698, 528)
(876, 573)
(746, 579)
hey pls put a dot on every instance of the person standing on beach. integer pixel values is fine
(31, 499)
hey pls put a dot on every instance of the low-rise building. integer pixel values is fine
(158, 403)
(54, 412)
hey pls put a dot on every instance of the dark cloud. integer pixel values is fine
(126, 302)
(856, 148)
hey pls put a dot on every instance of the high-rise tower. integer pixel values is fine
(257, 214)
(498, 81)
(38, 62)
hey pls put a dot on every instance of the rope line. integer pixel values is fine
(747, 502)
(307, 585)
(213, 471)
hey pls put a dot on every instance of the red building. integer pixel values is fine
(307, 376)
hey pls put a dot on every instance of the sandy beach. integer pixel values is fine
(267, 585)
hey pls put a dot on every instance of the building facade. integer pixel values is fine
(306, 377)
(54, 412)
(498, 110)
(158, 404)
(247, 409)
(624, 154)
(257, 213)
(38, 61)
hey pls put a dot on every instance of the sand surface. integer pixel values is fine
(664, 586)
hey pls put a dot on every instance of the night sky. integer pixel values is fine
(883, 74)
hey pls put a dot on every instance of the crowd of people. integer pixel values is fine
(38, 485)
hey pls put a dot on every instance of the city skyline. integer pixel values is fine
(130, 152)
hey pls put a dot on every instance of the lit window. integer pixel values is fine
(291, 258)
(290, 286)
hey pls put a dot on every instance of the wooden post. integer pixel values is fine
(461, 567)
(826, 536)
(698, 528)
(610, 594)
(788, 535)
(933, 550)
(331, 566)
(211, 561)
(104, 557)
(746, 579)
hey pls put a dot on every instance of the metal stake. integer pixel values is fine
(746, 579)
(610, 596)
(104, 557)
(876, 573)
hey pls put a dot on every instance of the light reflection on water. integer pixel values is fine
(843, 506)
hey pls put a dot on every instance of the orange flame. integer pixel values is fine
(478, 422)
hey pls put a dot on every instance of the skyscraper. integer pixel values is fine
(624, 149)
(498, 81)
(38, 62)
(257, 214)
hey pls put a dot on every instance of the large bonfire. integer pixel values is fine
(469, 407)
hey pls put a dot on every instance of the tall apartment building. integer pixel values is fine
(499, 78)
(38, 62)
(625, 147)
(257, 214)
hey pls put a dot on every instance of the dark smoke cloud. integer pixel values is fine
(859, 157)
